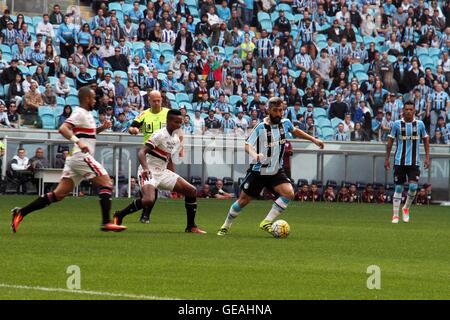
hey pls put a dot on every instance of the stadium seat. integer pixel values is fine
(323, 123)
(211, 181)
(266, 25)
(434, 52)
(195, 180)
(335, 122)
(166, 48)
(234, 99)
(227, 181)
(328, 133)
(47, 117)
(263, 16)
(319, 112)
(72, 101)
(318, 183)
(5, 49)
(171, 96)
(357, 67)
(174, 105)
(182, 97)
(122, 74)
(331, 183)
(284, 7)
(345, 184)
(301, 182)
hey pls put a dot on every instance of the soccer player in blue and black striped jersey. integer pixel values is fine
(407, 133)
(265, 145)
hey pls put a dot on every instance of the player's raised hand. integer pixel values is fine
(133, 130)
(83, 147)
(387, 164)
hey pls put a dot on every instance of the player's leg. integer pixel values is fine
(399, 180)
(286, 194)
(147, 211)
(234, 211)
(64, 187)
(413, 177)
(251, 187)
(147, 197)
(190, 200)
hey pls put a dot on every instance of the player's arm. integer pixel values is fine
(66, 130)
(136, 125)
(303, 135)
(252, 152)
(389, 145)
(142, 156)
(105, 126)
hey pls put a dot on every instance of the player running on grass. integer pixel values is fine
(407, 132)
(153, 173)
(266, 146)
(79, 128)
(149, 121)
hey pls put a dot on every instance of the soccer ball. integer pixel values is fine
(280, 229)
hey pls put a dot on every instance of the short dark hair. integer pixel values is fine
(173, 112)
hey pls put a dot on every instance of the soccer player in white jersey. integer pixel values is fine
(80, 128)
(265, 145)
(153, 173)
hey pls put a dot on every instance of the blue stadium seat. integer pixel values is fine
(166, 48)
(28, 20)
(5, 49)
(72, 100)
(434, 52)
(23, 69)
(263, 16)
(174, 105)
(335, 122)
(114, 6)
(171, 96)
(327, 133)
(234, 99)
(180, 87)
(194, 11)
(357, 67)
(182, 97)
(362, 76)
(122, 74)
(319, 112)
(323, 122)
(422, 51)
(284, 7)
(47, 117)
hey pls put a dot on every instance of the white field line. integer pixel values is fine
(95, 293)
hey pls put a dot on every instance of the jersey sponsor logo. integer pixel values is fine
(275, 143)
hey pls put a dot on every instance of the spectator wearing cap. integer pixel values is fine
(118, 61)
(9, 35)
(26, 84)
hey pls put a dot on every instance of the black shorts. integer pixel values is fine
(402, 172)
(254, 182)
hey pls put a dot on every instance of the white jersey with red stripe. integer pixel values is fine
(84, 128)
(164, 145)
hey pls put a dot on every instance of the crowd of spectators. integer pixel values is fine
(343, 68)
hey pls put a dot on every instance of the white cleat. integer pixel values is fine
(395, 219)
(405, 215)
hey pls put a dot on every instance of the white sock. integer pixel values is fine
(410, 199)
(234, 211)
(278, 208)
(397, 199)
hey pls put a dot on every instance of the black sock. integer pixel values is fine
(105, 195)
(39, 203)
(191, 208)
(134, 206)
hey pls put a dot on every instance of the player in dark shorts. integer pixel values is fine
(266, 145)
(407, 132)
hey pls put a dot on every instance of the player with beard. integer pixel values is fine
(80, 128)
(266, 145)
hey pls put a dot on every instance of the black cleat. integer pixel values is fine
(144, 219)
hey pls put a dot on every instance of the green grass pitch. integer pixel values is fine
(326, 256)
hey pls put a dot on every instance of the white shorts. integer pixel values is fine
(160, 178)
(82, 166)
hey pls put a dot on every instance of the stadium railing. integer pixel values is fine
(215, 156)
